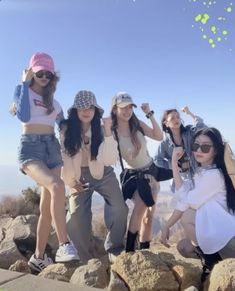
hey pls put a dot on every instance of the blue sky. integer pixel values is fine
(154, 49)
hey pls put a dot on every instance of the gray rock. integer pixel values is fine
(144, 270)
(116, 283)
(94, 274)
(60, 271)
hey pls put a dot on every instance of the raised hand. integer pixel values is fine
(177, 153)
(145, 107)
(27, 75)
(107, 122)
(185, 109)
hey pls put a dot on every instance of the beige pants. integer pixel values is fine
(186, 246)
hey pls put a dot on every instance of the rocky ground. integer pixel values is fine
(159, 268)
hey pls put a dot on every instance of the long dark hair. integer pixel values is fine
(134, 126)
(218, 144)
(74, 134)
(48, 92)
(163, 121)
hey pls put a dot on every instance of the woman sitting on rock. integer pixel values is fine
(206, 204)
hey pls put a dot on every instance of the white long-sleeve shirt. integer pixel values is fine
(214, 224)
(107, 156)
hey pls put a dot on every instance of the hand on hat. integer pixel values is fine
(145, 107)
(107, 122)
(27, 75)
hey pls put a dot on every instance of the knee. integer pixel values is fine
(118, 209)
(148, 217)
(57, 188)
(80, 217)
(185, 248)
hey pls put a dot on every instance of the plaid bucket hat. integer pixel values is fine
(84, 100)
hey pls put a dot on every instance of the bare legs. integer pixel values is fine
(52, 205)
(188, 223)
(142, 217)
(186, 246)
(44, 223)
(145, 233)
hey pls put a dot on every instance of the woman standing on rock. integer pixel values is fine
(176, 134)
(39, 154)
(89, 150)
(141, 174)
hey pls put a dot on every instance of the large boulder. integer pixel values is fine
(187, 275)
(20, 266)
(23, 231)
(116, 283)
(144, 270)
(18, 237)
(60, 271)
(94, 274)
(222, 277)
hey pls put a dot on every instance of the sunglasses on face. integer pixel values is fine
(205, 148)
(46, 74)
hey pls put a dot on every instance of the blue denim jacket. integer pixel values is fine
(165, 149)
(21, 100)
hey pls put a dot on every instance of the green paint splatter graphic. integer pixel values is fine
(198, 17)
(212, 20)
(205, 18)
(213, 29)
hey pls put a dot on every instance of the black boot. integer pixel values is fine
(144, 245)
(208, 262)
(130, 241)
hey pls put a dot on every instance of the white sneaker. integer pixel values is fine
(39, 264)
(66, 252)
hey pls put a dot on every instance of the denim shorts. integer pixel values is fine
(40, 147)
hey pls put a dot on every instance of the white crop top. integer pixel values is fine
(38, 111)
(127, 149)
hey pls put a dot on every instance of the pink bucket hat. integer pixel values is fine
(41, 61)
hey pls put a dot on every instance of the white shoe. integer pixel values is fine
(39, 264)
(66, 253)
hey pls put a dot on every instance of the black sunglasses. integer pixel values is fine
(48, 75)
(205, 148)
